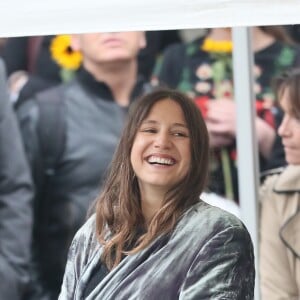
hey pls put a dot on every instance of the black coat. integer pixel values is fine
(15, 203)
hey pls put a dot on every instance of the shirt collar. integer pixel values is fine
(100, 88)
(288, 180)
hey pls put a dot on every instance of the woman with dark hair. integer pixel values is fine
(280, 196)
(152, 237)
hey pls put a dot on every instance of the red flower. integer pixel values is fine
(201, 102)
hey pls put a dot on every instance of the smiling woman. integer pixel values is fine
(151, 236)
(160, 154)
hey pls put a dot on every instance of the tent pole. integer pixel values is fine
(246, 137)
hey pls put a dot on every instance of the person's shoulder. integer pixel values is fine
(205, 224)
(28, 110)
(188, 48)
(271, 173)
(82, 249)
(85, 240)
(212, 218)
(287, 53)
(288, 180)
(54, 91)
(87, 230)
(174, 51)
(219, 213)
(268, 179)
(43, 95)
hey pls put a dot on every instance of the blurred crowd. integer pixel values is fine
(63, 104)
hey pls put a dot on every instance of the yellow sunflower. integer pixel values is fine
(63, 54)
(210, 45)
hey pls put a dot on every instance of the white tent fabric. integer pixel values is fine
(34, 17)
(246, 137)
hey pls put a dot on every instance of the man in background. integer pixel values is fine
(15, 203)
(70, 133)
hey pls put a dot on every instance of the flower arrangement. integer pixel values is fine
(63, 54)
(210, 45)
(221, 53)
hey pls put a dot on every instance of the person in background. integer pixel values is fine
(203, 70)
(294, 32)
(157, 42)
(151, 236)
(70, 133)
(2, 44)
(32, 67)
(280, 203)
(15, 203)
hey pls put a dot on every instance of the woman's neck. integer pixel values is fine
(151, 202)
(220, 34)
(261, 39)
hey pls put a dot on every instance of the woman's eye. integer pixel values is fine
(296, 117)
(297, 121)
(180, 134)
(149, 130)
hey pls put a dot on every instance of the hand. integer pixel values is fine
(16, 82)
(265, 136)
(221, 122)
(219, 140)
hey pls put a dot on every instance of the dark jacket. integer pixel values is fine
(93, 123)
(15, 203)
(208, 255)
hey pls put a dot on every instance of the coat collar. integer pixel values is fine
(289, 233)
(101, 89)
(288, 180)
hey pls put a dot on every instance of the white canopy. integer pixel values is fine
(33, 17)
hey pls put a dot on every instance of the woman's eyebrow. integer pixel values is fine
(174, 124)
(180, 125)
(149, 122)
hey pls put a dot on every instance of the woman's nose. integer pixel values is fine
(162, 140)
(284, 127)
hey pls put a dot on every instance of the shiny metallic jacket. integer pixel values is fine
(209, 255)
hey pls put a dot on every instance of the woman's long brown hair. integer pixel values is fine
(118, 208)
